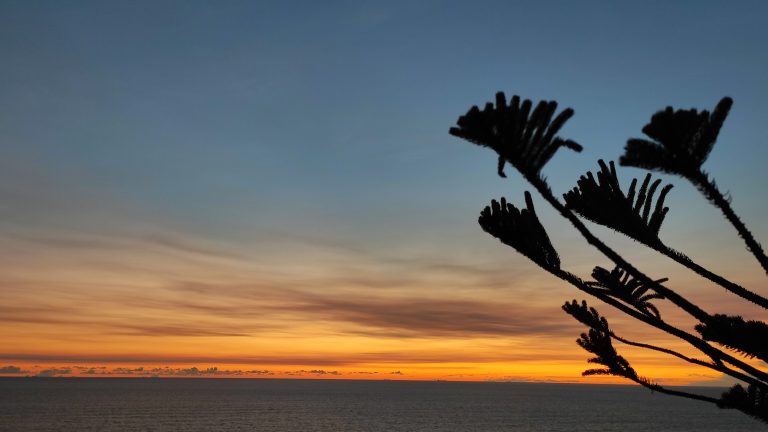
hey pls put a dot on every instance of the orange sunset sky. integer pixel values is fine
(260, 190)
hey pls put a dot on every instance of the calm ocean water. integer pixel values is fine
(72, 404)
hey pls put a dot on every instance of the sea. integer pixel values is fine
(271, 405)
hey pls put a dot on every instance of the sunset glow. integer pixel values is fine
(251, 192)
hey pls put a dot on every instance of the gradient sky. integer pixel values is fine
(269, 188)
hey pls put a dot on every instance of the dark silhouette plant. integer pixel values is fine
(681, 141)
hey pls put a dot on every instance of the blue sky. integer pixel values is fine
(294, 130)
(249, 109)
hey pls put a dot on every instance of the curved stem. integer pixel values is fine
(713, 194)
(718, 367)
(660, 389)
(660, 349)
(718, 402)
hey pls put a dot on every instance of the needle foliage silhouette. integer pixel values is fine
(525, 135)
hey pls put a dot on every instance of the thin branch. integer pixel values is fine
(660, 389)
(713, 194)
(747, 408)
(719, 367)
(661, 349)
(732, 287)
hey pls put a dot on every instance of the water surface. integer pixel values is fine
(112, 404)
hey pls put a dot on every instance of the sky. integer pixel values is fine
(268, 189)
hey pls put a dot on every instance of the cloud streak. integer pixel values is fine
(423, 317)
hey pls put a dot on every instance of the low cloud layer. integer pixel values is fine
(54, 372)
(12, 370)
(181, 372)
(166, 371)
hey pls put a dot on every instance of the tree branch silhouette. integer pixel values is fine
(513, 233)
(602, 201)
(527, 140)
(682, 141)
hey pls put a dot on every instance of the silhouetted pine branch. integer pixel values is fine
(520, 229)
(591, 318)
(474, 131)
(681, 143)
(712, 193)
(528, 142)
(586, 315)
(599, 343)
(602, 201)
(483, 130)
(678, 300)
(539, 246)
(753, 400)
(618, 283)
(749, 338)
(682, 140)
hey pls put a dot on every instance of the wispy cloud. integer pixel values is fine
(252, 305)
(423, 317)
